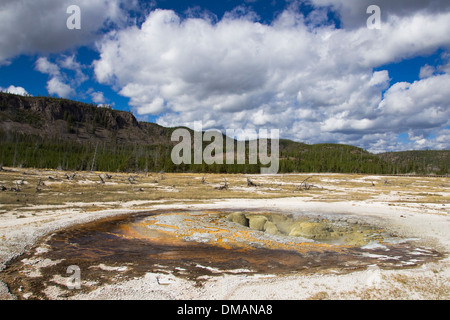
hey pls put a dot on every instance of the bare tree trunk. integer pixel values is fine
(303, 183)
(224, 187)
(93, 160)
(71, 177)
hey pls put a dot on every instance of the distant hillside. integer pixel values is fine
(336, 158)
(420, 162)
(45, 132)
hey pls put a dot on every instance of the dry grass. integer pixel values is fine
(86, 189)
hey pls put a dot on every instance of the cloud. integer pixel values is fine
(353, 13)
(426, 71)
(61, 89)
(40, 26)
(316, 83)
(98, 97)
(60, 83)
(15, 90)
(70, 63)
(156, 106)
(419, 105)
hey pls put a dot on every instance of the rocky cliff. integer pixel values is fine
(67, 119)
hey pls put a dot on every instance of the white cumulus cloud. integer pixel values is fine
(15, 90)
(315, 84)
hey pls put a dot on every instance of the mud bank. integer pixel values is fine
(197, 246)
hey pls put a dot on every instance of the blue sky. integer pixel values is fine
(311, 68)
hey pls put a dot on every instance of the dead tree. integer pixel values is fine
(224, 187)
(38, 185)
(93, 160)
(71, 177)
(304, 184)
(131, 179)
(15, 189)
(250, 183)
(101, 179)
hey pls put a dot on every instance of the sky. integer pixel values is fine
(320, 71)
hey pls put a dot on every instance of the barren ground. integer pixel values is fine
(49, 202)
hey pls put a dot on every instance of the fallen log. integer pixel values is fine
(304, 184)
(250, 183)
(131, 179)
(224, 187)
(71, 177)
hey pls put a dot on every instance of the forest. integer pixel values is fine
(18, 150)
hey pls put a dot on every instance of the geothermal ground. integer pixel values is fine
(66, 235)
